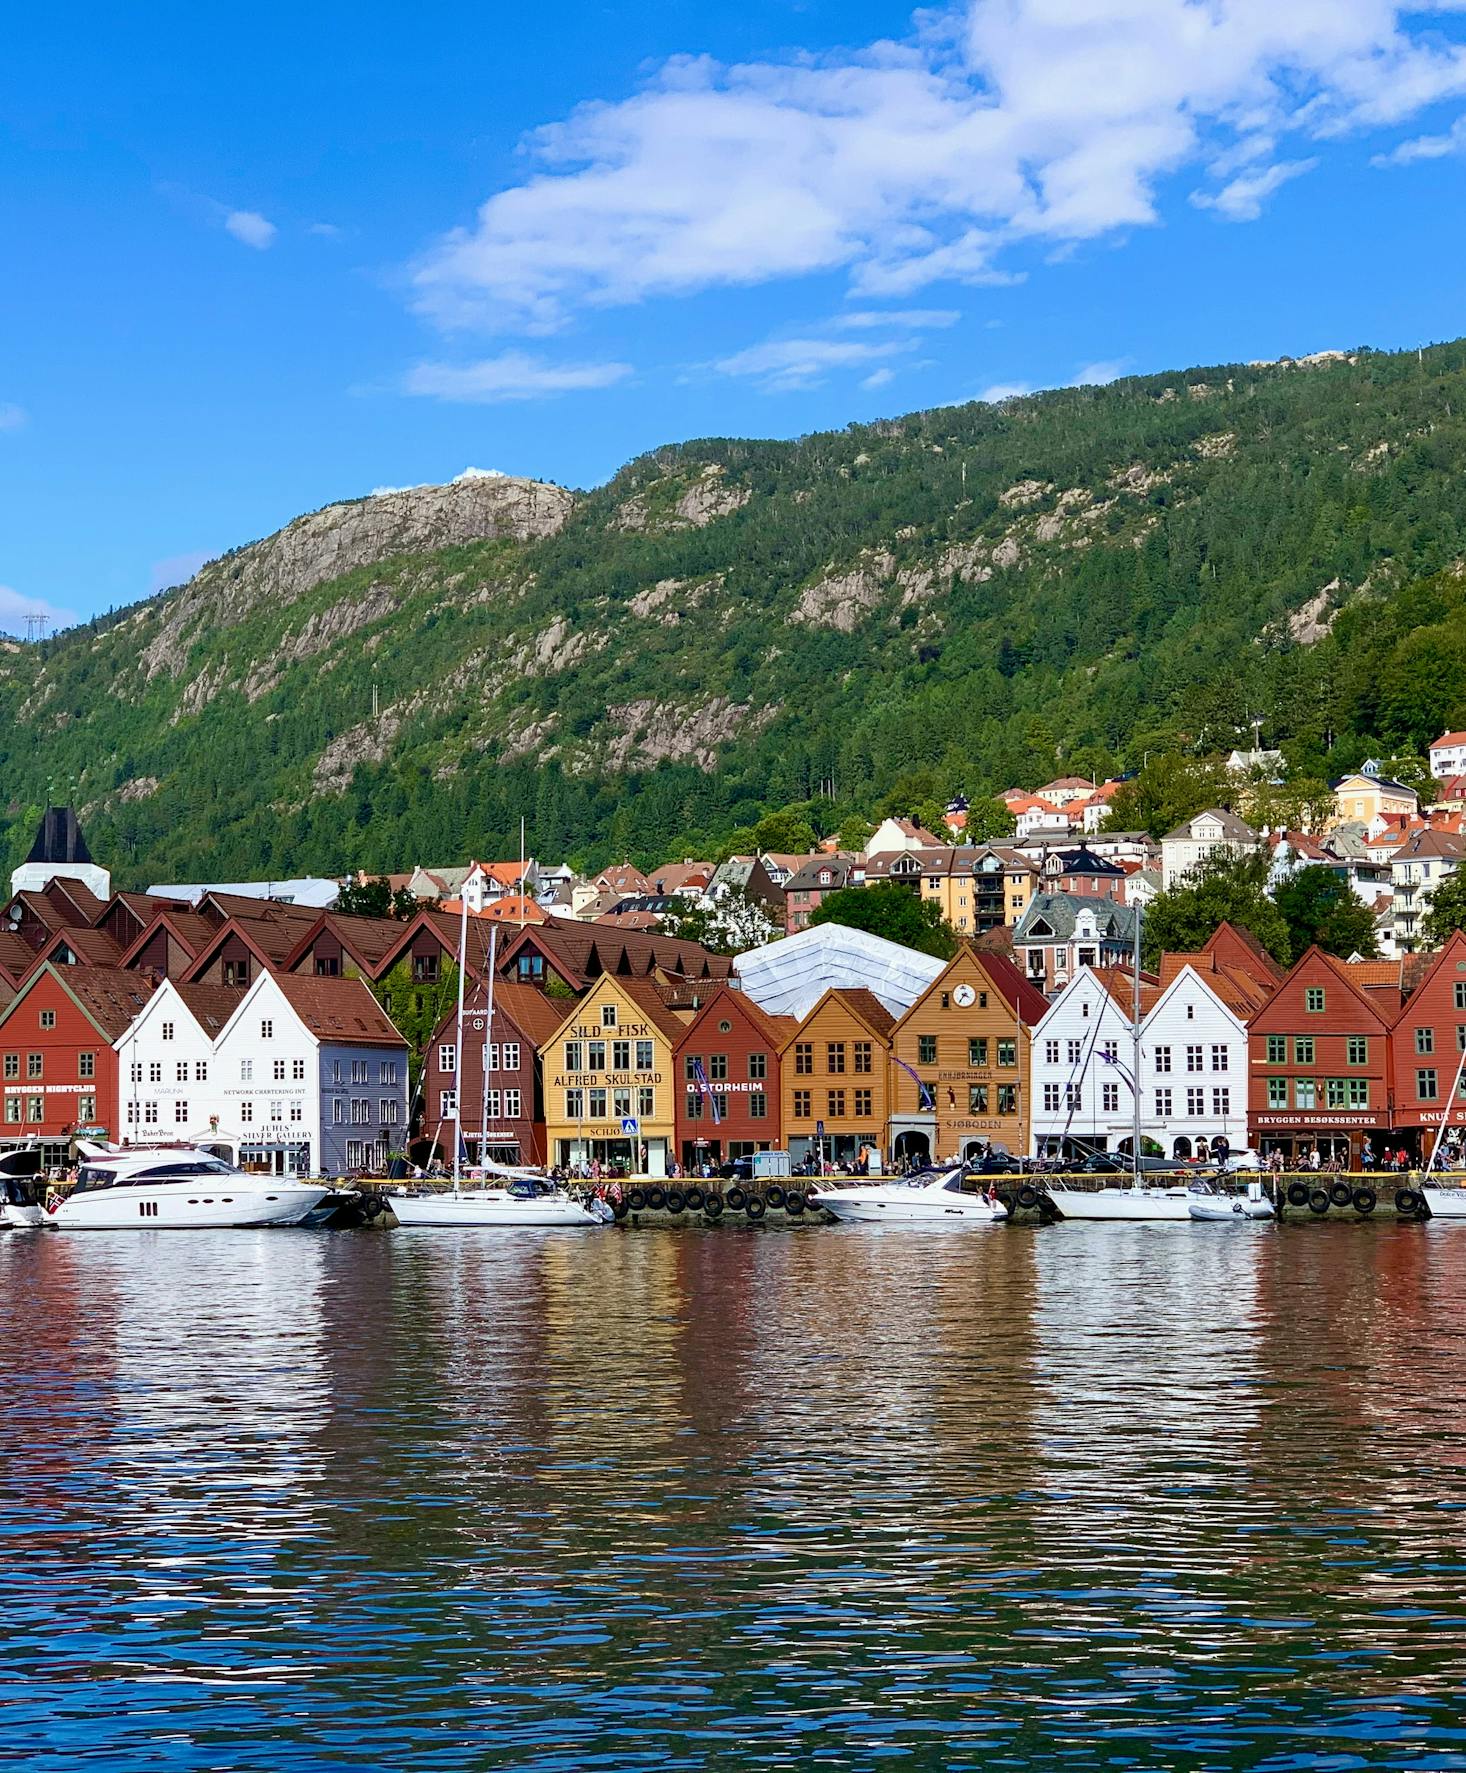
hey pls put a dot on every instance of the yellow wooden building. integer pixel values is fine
(609, 1082)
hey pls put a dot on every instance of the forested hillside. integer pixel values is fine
(971, 597)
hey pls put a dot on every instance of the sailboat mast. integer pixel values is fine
(1135, 1055)
(458, 1049)
(1446, 1111)
(483, 1125)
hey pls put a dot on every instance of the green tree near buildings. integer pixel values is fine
(1320, 907)
(892, 912)
(416, 1007)
(1222, 889)
(989, 821)
(786, 833)
(1170, 789)
(1447, 912)
(376, 898)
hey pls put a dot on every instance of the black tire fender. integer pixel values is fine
(794, 1203)
(1406, 1200)
(1297, 1194)
(619, 1209)
(755, 1208)
(736, 1199)
(1364, 1201)
(1027, 1196)
(1318, 1201)
(656, 1198)
(636, 1200)
(775, 1197)
(712, 1206)
(675, 1201)
(1341, 1194)
(694, 1198)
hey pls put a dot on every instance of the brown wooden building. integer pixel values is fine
(966, 1038)
(737, 1046)
(834, 1075)
(514, 1131)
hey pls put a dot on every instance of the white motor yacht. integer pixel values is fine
(1214, 1207)
(519, 1200)
(1445, 1202)
(930, 1199)
(176, 1187)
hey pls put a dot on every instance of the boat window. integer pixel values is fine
(953, 1185)
(194, 1167)
(94, 1176)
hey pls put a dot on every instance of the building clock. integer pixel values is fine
(963, 996)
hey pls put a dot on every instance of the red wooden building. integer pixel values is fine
(1428, 1040)
(1320, 1063)
(514, 1133)
(738, 1046)
(56, 1053)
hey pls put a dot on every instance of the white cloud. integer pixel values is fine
(1242, 199)
(1001, 391)
(781, 365)
(879, 377)
(14, 609)
(478, 474)
(325, 230)
(176, 569)
(915, 319)
(994, 123)
(512, 375)
(1426, 147)
(12, 417)
(250, 227)
(1095, 375)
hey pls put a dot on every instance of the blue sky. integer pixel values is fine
(253, 259)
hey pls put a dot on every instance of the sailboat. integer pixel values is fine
(1446, 1201)
(522, 1198)
(1135, 1199)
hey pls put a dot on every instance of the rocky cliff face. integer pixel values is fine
(340, 538)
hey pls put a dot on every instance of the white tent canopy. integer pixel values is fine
(789, 977)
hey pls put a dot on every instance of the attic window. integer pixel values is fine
(725, 1028)
(608, 1015)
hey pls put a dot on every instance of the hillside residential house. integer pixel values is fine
(308, 1076)
(56, 1052)
(960, 1061)
(1059, 933)
(976, 887)
(893, 835)
(1207, 834)
(1037, 818)
(486, 882)
(812, 883)
(1366, 796)
(1084, 874)
(1065, 790)
(1448, 756)
(1422, 862)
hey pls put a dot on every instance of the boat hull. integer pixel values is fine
(485, 1210)
(21, 1218)
(1144, 1205)
(195, 1204)
(1446, 1203)
(858, 1207)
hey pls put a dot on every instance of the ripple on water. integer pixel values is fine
(1096, 1497)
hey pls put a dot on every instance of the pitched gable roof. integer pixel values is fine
(108, 997)
(339, 1010)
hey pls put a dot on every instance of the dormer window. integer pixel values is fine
(825, 877)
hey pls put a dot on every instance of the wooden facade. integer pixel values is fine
(834, 1078)
(967, 1039)
(737, 1046)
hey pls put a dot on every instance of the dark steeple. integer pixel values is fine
(59, 838)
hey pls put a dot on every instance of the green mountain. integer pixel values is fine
(969, 597)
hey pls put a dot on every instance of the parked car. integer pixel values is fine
(996, 1163)
(1246, 1159)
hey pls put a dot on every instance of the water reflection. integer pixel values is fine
(1151, 1496)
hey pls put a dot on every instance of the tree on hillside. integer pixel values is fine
(1223, 889)
(1319, 907)
(1447, 912)
(854, 834)
(786, 833)
(1300, 804)
(893, 912)
(1170, 789)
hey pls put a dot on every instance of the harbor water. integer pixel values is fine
(1108, 1496)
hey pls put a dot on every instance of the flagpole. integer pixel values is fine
(458, 1049)
(483, 1125)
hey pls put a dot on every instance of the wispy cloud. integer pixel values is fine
(1001, 391)
(993, 123)
(914, 319)
(12, 417)
(250, 228)
(781, 365)
(1426, 147)
(879, 377)
(325, 230)
(1241, 199)
(512, 375)
(15, 608)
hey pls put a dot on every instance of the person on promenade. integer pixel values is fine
(1366, 1155)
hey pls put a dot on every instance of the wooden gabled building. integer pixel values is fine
(834, 1078)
